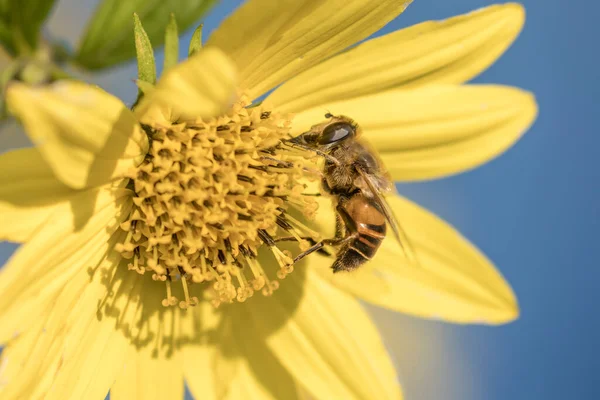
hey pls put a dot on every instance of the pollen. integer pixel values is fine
(208, 196)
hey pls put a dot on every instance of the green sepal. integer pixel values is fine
(144, 53)
(171, 44)
(145, 56)
(196, 42)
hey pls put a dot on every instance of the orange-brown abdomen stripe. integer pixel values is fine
(374, 231)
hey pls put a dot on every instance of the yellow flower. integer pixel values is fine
(129, 218)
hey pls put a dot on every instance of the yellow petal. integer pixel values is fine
(93, 353)
(436, 130)
(324, 338)
(450, 51)
(153, 368)
(81, 347)
(242, 382)
(29, 193)
(202, 86)
(260, 374)
(236, 366)
(271, 41)
(453, 280)
(254, 383)
(208, 370)
(148, 377)
(17, 353)
(86, 135)
(39, 269)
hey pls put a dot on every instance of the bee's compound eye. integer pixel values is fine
(336, 132)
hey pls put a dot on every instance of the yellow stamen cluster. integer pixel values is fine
(208, 195)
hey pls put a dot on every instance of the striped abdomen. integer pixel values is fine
(367, 224)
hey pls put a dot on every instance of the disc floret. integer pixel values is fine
(207, 196)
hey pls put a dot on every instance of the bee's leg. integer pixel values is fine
(279, 162)
(339, 227)
(293, 239)
(307, 238)
(287, 164)
(325, 242)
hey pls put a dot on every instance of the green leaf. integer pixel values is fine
(144, 52)
(5, 31)
(108, 37)
(21, 22)
(171, 44)
(6, 38)
(196, 42)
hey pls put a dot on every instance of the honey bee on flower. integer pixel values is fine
(136, 223)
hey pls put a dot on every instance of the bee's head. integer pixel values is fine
(327, 134)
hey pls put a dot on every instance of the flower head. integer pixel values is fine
(208, 195)
(135, 223)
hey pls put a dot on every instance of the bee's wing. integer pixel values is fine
(399, 233)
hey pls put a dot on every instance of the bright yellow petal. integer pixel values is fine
(271, 41)
(39, 269)
(262, 382)
(230, 361)
(325, 339)
(453, 281)
(202, 86)
(208, 371)
(241, 382)
(154, 366)
(29, 193)
(261, 373)
(451, 51)
(436, 130)
(86, 135)
(81, 347)
(18, 352)
(93, 353)
(148, 377)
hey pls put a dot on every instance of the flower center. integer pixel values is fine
(207, 196)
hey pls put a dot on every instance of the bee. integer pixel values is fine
(355, 178)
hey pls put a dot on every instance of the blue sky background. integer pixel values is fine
(533, 211)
